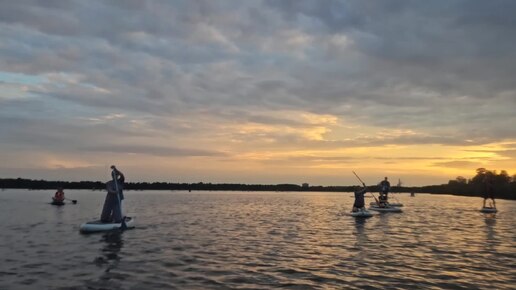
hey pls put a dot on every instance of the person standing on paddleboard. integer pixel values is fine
(385, 186)
(112, 211)
(489, 188)
(359, 204)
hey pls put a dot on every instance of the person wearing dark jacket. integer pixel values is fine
(359, 203)
(112, 209)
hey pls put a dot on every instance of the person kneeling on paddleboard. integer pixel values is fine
(59, 196)
(359, 204)
(112, 211)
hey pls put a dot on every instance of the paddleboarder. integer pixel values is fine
(489, 189)
(359, 204)
(385, 186)
(59, 195)
(112, 211)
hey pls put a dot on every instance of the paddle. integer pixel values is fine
(395, 198)
(74, 201)
(377, 202)
(375, 199)
(113, 174)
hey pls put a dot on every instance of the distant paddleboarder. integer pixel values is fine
(359, 204)
(489, 189)
(112, 211)
(59, 195)
(385, 186)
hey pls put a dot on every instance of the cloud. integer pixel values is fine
(256, 75)
(152, 150)
(458, 164)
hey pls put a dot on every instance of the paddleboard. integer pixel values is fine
(391, 204)
(488, 210)
(98, 226)
(385, 209)
(361, 214)
(57, 202)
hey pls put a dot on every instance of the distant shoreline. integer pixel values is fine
(20, 183)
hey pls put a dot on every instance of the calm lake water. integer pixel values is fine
(255, 240)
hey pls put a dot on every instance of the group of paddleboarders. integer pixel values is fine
(359, 204)
(112, 209)
(385, 186)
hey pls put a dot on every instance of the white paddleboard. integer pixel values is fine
(385, 209)
(488, 210)
(390, 203)
(98, 226)
(361, 213)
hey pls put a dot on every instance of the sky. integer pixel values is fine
(279, 91)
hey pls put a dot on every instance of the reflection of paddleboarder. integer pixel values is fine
(110, 256)
(362, 242)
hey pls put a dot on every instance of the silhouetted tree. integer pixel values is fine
(504, 184)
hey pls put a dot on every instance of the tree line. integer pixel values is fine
(504, 185)
(22, 183)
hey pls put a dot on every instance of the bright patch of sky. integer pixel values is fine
(22, 79)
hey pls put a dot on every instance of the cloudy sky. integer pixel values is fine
(257, 91)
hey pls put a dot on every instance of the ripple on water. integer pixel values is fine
(257, 241)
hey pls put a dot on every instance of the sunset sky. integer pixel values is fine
(257, 91)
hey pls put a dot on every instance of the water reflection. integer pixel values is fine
(490, 230)
(361, 236)
(58, 212)
(359, 226)
(258, 241)
(112, 245)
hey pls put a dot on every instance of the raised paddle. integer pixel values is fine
(358, 178)
(377, 202)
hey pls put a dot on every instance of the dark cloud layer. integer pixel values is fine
(161, 54)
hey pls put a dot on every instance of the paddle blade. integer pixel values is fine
(123, 226)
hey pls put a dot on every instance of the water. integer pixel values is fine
(241, 240)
